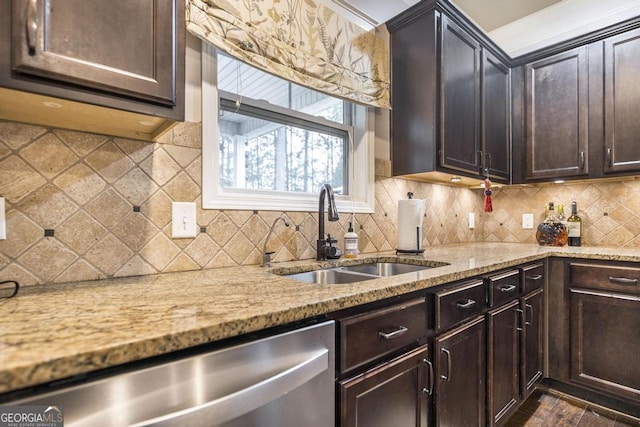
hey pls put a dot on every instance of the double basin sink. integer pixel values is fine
(360, 272)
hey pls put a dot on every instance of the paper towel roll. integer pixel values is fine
(410, 214)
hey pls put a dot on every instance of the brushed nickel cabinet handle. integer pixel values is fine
(32, 25)
(395, 334)
(507, 288)
(581, 160)
(522, 319)
(623, 281)
(535, 277)
(530, 308)
(448, 376)
(429, 391)
(466, 304)
(609, 157)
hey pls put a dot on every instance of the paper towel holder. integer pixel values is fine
(417, 250)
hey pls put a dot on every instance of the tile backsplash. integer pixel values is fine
(108, 202)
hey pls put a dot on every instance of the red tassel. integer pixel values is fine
(488, 206)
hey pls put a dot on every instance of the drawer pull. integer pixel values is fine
(395, 334)
(429, 391)
(507, 288)
(623, 281)
(534, 277)
(448, 376)
(466, 304)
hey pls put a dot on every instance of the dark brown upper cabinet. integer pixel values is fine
(557, 126)
(120, 54)
(450, 98)
(621, 95)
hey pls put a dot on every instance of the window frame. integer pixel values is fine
(361, 180)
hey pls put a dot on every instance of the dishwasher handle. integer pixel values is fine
(243, 401)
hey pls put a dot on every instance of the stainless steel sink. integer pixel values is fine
(385, 268)
(331, 276)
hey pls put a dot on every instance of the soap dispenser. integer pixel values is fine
(350, 243)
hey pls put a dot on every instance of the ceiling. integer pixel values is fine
(517, 26)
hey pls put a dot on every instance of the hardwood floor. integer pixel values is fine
(544, 409)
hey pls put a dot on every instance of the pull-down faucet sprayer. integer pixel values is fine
(324, 246)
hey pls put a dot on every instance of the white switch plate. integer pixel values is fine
(527, 221)
(3, 220)
(472, 220)
(183, 219)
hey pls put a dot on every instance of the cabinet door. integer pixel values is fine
(393, 394)
(460, 368)
(605, 342)
(460, 99)
(120, 46)
(621, 94)
(503, 361)
(557, 116)
(496, 135)
(532, 341)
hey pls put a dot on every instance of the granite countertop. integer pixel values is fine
(56, 331)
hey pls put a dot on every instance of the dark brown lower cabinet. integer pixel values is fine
(460, 363)
(396, 393)
(503, 361)
(605, 342)
(532, 341)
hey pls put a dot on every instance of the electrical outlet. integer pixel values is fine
(183, 219)
(527, 221)
(472, 220)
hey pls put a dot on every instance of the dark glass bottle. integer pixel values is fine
(551, 232)
(574, 224)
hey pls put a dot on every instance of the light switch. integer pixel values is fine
(472, 220)
(183, 219)
(3, 220)
(527, 221)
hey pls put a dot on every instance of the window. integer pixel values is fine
(271, 144)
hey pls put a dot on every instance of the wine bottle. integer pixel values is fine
(574, 224)
(551, 232)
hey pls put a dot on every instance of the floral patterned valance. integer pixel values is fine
(299, 40)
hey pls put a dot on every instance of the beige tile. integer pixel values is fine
(79, 270)
(16, 135)
(136, 150)
(195, 171)
(4, 151)
(20, 274)
(135, 266)
(48, 155)
(21, 234)
(183, 155)
(182, 188)
(48, 206)
(136, 187)
(182, 263)
(108, 208)
(160, 167)
(18, 179)
(222, 229)
(202, 249)
(256, 230)
(80, 183)
(221, 259)
(108, 255)
(159, 252)
(46, 259)
(239, 217)
(188, 134)
(80, 142)
(158, 209)
(80, 232)
(239, 248)
(135, 230)
(110, 162)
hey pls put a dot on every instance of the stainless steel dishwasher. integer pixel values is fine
(279, 381)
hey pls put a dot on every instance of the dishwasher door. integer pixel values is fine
(279, 381)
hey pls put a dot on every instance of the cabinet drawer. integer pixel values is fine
(457, 304)
(624, 277)
(503, 287)
(368, 336)
(532, 277)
